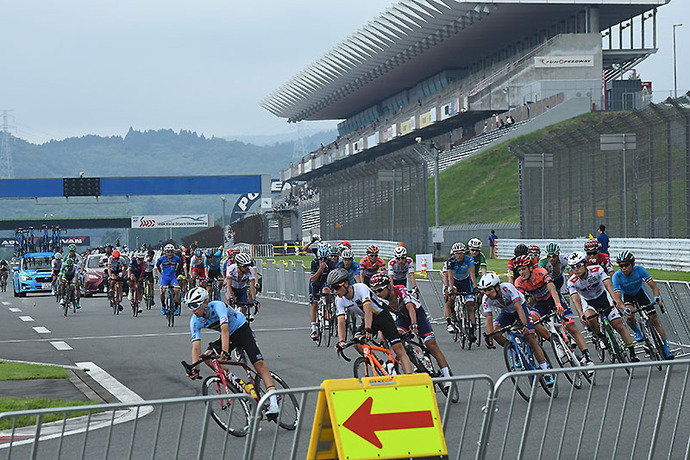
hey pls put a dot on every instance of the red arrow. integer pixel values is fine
(365, 424)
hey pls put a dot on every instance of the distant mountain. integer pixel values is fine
(311, 141)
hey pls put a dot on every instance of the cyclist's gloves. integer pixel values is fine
(225, 354)
(340, 346)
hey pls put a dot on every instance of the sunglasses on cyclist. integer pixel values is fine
(400, 258)
(336, 287)
(193, 306)
(624, 264)
(379, 290)
(592, 253)
(579, 265)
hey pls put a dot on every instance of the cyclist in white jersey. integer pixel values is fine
(401, 268)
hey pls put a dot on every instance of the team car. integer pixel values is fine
(33, 274)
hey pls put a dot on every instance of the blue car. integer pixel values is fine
(33, 274)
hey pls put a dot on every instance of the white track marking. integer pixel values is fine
(61, 346)
(6, 303)
(26, 318)
(110, 383)
(42, 330)
(15, 310)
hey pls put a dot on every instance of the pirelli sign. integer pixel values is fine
(555, 62)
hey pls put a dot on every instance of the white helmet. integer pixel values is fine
(169, 247)
(475, 243)
(489, 280)
(576, 258)
(458, 247)
(58, 255)
(347, 254)
(243, 259)
(400, 252)
(196, 296)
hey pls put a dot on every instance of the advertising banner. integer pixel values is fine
(563, 61)
(200, 220)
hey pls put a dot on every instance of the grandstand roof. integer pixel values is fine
(416, 39)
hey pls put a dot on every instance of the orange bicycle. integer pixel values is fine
(369, 365)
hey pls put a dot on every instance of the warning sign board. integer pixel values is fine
(381, 417)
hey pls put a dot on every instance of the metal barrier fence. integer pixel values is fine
(628, 411)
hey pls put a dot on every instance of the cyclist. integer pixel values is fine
(321, 266)
(538, 283)
(401, 268)
(555, 264)
(334, 255)
(137, 268)
(68, 272)
(234, 332)
(520, 250)
(410, 315)
(56, 264)
(480, 268)
(344, 245)
(594, 257)
(512, 304)
(78, 263)
(149, 265)
(116, 266)
(308, 247)
(212, 269)
(348, 263)
(376, 317)
(241, 280)
(197, 266)
(534, 252)
(627, 287)
(182, 269)
(592, 284)
(167, 266)
(4, 269)
(371, 264)
(458, 276)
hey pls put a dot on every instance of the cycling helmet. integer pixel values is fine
(244, 260)
(347, 254)
(520, 250)
(489, 280)
(474, 243)
(58, 255)
(72, 247)
(346, 244)
(116, 253)
(209, 253)
(400, 252)
(592, 245)
(150, 252)
(169, 247)
(197, 252)
(236, 251)
(337, 276)
(323, 251)
(69, 262)
(138, 255)
(625, 256)
(576, 258)
(458, 247)
(522, 261)
(334, 251)
(195, 297)
(379, 279)
(373, 249)
(108, 245)
(553, 248)
(534, 249)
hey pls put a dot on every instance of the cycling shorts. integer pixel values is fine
(383, 322)
(641, 298)
(464, 286)
(169, 281)
(242, 337)
(214, 273)
(240, 294)
(198, 271)
(601, 304)
(148, 276)
(423, 325)
(315, 290)
(400, 282)
(544, 307)
(506, 319)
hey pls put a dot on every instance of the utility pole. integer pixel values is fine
(6, 168)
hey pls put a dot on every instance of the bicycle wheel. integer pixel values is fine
(565, 358)
(468, 329)
(65, 306)
(170, 310)
(617, 352)
(289, 407)
(73, 300)
(148, 294)
(232, 415)
(515, 363)
(657, 342)
(320, 323)
(362, 368)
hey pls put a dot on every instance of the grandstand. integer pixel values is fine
(440, 75)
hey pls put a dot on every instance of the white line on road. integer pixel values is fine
(110, 383)
(61, 345)
(42, 330)
(26, 318)
(6, 303)
(15, 310)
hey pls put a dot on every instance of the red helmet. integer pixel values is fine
(592, 245)
(116, 253)
(522, 261)
(373, 249)
(229, 252)
(346, 244)
(379, 279)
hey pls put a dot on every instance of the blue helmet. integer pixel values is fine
(324, 251)
(197, 252)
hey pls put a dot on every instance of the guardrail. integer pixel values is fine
(661, 253)
(627, 411)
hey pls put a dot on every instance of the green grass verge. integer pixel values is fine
(20, 371)
(19, 404)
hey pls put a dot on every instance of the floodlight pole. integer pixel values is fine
(675, 66)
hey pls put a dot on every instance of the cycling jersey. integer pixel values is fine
(167, 266)
(56, 264)
(362, 295)
(404, 321)
(353, 270)
(137, 268)
(148, 265)
(509, 294)
(592, 286)
(215, 265)
(555, 274)
(238, 282)
(218, 314)
(479, 264)
(461, 270)
(68, 274)
(116, 264)
(399, 271)
(78, 261)
(602, 260)
(630, 285)
(536, 285)
(197, 262)
(369, 268)
(404, 298)
(315, 264)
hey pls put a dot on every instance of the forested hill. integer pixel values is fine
(153, 153)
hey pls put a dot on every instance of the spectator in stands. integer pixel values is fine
(503, 125)
(603, 239)
(493, 245)
(510, 120)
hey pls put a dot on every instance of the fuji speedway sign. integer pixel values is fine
(201, 220)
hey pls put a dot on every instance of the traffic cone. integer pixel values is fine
(424, 268)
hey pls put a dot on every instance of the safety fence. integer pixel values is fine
(616, 411)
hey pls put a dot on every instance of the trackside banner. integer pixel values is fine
(201, 220)
(77, 240)
(563, 61)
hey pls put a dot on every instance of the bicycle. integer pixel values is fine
(148, 293)
(369, 365)
(652, 343)
(169, 305)
(561, 344)
(423, 362)
(135, 299)
(324, 321)
(225, 412)
(112, 295)
(461, 321)
(246, 309)
(3, 281)
(612, 342)
(519, 357)
(70, 298)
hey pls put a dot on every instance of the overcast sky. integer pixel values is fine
(78, 67)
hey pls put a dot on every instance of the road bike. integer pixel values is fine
(519, 357)
(369, 365)
(652, 343)
(562, 346)
(424, 362)
(464, 330)
(135, 298)
(612, 342)
(325, 321)
(113, 293)
(169, 304)
(70, 298)
(233, 414)
(246, 309)
(3, 280)
(148, 293)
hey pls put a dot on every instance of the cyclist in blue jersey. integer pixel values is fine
(349, 264)
(458, 276)
(627, 287)
(321, 266)
(167, 266)
(234, 332)
(212, 268)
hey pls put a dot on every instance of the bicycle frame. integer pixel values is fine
(368, 353)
